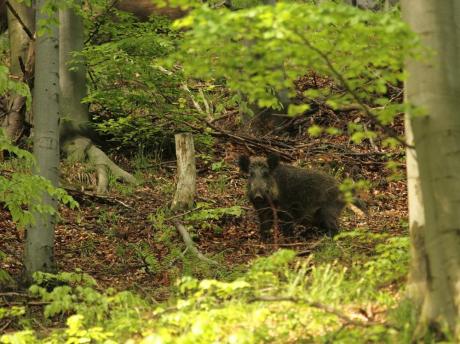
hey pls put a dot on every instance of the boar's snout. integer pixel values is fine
(258, 196)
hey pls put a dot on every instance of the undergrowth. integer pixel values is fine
(278, 299)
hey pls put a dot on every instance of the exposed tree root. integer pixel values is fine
(83, 149)
(190, 244)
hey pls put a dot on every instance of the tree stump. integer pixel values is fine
(186, 172)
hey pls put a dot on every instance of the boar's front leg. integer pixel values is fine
(326, 219)
(286, 223)
(265, 222)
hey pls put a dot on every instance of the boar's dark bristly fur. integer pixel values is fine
(300, 196)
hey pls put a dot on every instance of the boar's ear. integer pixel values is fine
(244, 162)
(273, 161)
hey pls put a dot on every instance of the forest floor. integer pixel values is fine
(126, 239)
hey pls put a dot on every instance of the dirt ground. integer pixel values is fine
(106, 236)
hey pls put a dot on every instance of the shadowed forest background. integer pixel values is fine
(130, 132)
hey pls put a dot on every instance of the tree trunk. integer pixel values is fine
(3, 17)
(186, 172)
(13, 122)
(435, 85)
(74, 114)
(39, 245)
(416, 287)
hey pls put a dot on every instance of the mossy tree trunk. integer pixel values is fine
(39, 244)
(186, 172)
(74, 114)
(433, 168)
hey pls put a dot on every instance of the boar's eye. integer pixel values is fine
(265, 174)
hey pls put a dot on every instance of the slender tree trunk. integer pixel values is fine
(186, 172)
(74, 114)
(39, 246)
(416, 288)
(435, 86)
(20, 20)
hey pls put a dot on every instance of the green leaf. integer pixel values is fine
(315, 130)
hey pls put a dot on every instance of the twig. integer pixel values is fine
(356, 210)
(190, 244)
(4, 327)
(30, 303)
(243, 140)
(13, 293)
(252, 141)
(182, 214)
(23, 25)
(220, 118)
(104, 199)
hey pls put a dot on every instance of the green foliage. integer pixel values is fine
(14, 311)
(146, 255)
(349, 188)
(22, 192)
(12, 86)
(178, 262)
(204, 212)
(262, 50)
(131, 92)
(5, 278)
(388, 261)
(391, 261)
(279, 299)
(206, 217)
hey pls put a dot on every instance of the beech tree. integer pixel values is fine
(74, 114)
(39, 244)
(433, 84)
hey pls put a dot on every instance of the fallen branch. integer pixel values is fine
(261, 144)
(81, 195)
(4, 327)
(190, 244)
(358, 212)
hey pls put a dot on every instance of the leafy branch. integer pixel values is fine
(369, 113)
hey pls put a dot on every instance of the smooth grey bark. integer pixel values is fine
(39, 244)
(434, 184)
(74, 114)
(416, 287)
(72, 82)
(20, 48)
(186, 172)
